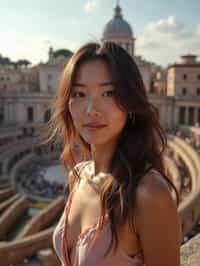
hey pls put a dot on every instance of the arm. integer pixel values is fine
(157, 222)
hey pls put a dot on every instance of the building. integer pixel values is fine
(183, 83)
(119, 31)
(50, 71)
(26, 93)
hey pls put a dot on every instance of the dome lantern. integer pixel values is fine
(119, 31)
(118, 12)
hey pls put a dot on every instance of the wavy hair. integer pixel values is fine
(141, 144)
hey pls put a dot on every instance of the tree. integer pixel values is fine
(63, 52)
(23, 62)
(4, 61)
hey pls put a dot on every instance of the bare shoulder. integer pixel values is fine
(154, 192)
(157, 221)
(152, 184)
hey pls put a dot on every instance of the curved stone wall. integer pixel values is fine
(14, 252)
(189, 209)
(173, 172)
(5, 204)
(6, 193)
(43, 218)
(9, 216)
(14, 152)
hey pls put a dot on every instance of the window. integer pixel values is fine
(25, 131)
(47, 115)
(49, 88)
(198, 91)
(1, 115)
(184, 91)
(30, 114)
(1, 168)
(191, 116)
(49, 77)
(182, 115)
(198, 115)
(184, 76)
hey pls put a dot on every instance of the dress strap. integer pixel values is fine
(70, 196)
(64, 244)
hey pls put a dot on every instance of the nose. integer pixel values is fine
(91, 108)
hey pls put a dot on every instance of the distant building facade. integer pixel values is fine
(26, 93)
(119, 31)
(183, 83)
(49, 72)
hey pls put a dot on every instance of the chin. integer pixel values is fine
(95, 142)
(98, 141)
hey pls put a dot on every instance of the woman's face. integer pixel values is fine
(95, 114)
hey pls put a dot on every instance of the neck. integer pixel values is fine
(101, 157)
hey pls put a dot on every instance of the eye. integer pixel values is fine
(77, 94)
(108, 93)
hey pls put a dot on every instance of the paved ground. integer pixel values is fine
(190, 252)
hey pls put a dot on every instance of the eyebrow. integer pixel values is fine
(102, 84)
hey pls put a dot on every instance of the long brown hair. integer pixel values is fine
(141, 143)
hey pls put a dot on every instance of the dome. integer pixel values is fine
(117, 26)
(62, 52)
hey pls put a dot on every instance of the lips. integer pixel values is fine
(94, 125)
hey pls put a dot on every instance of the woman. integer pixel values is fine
(120, 210)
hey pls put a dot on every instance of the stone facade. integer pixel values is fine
(30, 106)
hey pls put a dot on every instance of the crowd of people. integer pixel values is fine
(32, 180)
(195, 144)
(188, 137)
(186, 180)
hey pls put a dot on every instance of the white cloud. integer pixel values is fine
(168, 25)
(142, 42)
(164, 40)
(171, 28)
(198, 30)
(90, 6)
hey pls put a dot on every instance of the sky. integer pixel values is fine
(164, 29)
